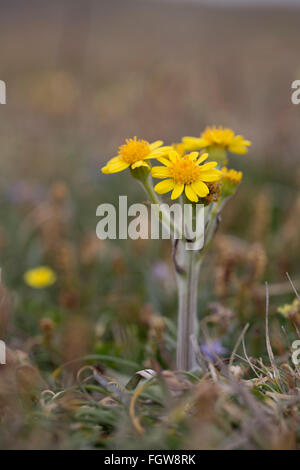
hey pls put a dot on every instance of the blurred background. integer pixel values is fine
(83, 75)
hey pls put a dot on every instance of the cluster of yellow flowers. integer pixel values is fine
(193, 173)
(182, 171)
(194, 170)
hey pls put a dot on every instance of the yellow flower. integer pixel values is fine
(291, 311)
(40, 277)
(185, 173)
(179, 147)
(230, 181)
(134, 154)
(218, 137)
(231, 175)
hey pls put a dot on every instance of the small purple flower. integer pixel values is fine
(23, 192)
(213, 348)
(161, 271)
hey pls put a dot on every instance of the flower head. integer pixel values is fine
(185, 173)
(179, 147)
(212, 349)
(161, 271)
(134, 154)
(40, 277)
(291, 311)
(231, 175)
(217, 137)
(230, 180)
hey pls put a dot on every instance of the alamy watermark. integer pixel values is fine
(2, 92)
(178, 221)
(296, 352)
(2, 352)
(295, 97)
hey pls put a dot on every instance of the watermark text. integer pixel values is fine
(295, 97)
(2, 352)
(177, 221)
(2, 92)
(296, 352)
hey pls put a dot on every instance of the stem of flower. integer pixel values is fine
(187, 308)
(150, 191)
(163, 216)
(212, 226)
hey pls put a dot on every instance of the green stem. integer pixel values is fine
(150, 191)
(187, 309)
(163, 217)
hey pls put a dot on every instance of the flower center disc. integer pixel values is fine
(185, 171)
(134, 150)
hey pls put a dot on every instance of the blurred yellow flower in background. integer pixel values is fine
(232, 175)
(134, 154)
(179, 147)
(291, 311)
(217, 137)
(40, 277)
(185, 173)
(230, 181)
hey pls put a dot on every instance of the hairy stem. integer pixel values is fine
(187, 308)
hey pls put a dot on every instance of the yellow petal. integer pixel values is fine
(194, 143)
(193, 155)
(139, 163)
(228, 135)
(203, 142)
(239, 140)
(202, 158)
(211, 176)
(164, 160)
(239, 149)
(190, 193)
(177, 191)
(239, 145)
(208, 166)
(160, 172)
(200, 188)
(156, 144)
(105, 170)
(115, 165)
(164, 186)
(114, 160)
(173, 155)
(159, 152)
